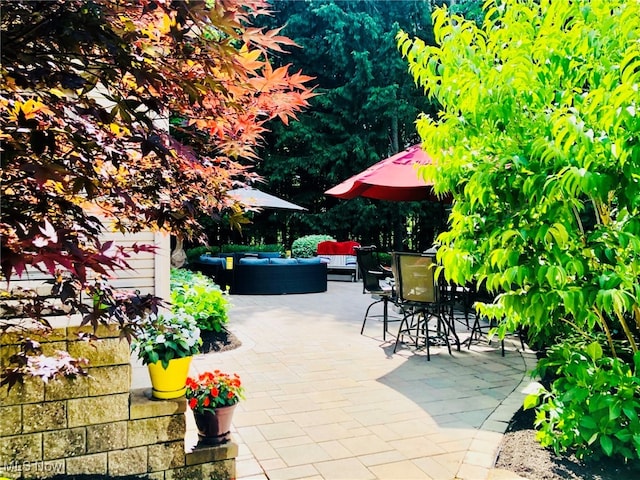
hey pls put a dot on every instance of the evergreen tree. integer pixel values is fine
(365, 110)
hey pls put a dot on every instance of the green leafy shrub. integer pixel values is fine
(306, 247)
(539, 339)
(384, 259)
(550, 222)
(592, 406)
(234, 248)
(197, 295)
(194, 253)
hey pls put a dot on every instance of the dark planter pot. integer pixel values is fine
(214, 428)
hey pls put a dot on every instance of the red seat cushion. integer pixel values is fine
(330, 247)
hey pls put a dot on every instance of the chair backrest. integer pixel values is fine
(369, 267)
(414, 274)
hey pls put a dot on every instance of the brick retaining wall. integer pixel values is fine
(96, 425)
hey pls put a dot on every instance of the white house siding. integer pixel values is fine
(150, 272)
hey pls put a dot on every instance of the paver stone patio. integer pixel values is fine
(325, 402)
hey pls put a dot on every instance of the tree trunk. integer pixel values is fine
(178, 256)
(395, 144)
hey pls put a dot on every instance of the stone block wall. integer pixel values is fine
(96, 425)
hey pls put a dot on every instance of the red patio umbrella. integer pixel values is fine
(394, 178)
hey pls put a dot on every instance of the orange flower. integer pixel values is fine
(213, 389)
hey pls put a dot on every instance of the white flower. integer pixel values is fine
(160, 339)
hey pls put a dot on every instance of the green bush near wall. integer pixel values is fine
(384, 258)
(235, 248)
(194, 253)
(197, 295)
(306, 247)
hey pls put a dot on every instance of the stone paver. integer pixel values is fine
(324, 402)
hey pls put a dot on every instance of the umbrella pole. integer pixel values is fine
(399, 230)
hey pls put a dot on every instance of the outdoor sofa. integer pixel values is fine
(264, 273)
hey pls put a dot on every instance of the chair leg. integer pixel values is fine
(426, 334)
(475, 330)
(447, 330)
(402, 322)
(442, 329)
(521, 341)
(385, 317)
(417, 324)
(466, 314)
(450, 329)
(418, 329)
(366, 314)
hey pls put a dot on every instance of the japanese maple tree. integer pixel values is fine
(89, 89)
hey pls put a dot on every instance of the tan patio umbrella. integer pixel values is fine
(257, 198)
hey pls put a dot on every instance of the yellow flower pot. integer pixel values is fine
(169, 383)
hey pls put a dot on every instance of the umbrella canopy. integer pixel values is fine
(257, 198)
(394, 178)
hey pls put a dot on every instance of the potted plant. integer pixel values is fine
(166, 344)
(213, 397)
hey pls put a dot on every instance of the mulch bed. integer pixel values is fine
(219, 341)
(522, 454)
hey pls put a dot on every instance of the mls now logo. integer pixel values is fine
(25, 467)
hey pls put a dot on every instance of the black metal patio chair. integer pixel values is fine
(423, 315)
(378, 282)
(480, 330)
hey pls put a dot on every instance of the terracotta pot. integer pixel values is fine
(214, 428)
(170, 382)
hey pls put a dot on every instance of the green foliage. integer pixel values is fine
(541, 339)
(305, 247)
(365, 112)
(233, 248)
(194, 253)
(593, 405)
(197, 295)
(537, 143)
(165, 337)
(469, 9)
(384, 259)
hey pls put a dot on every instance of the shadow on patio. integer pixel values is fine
(324, 402)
